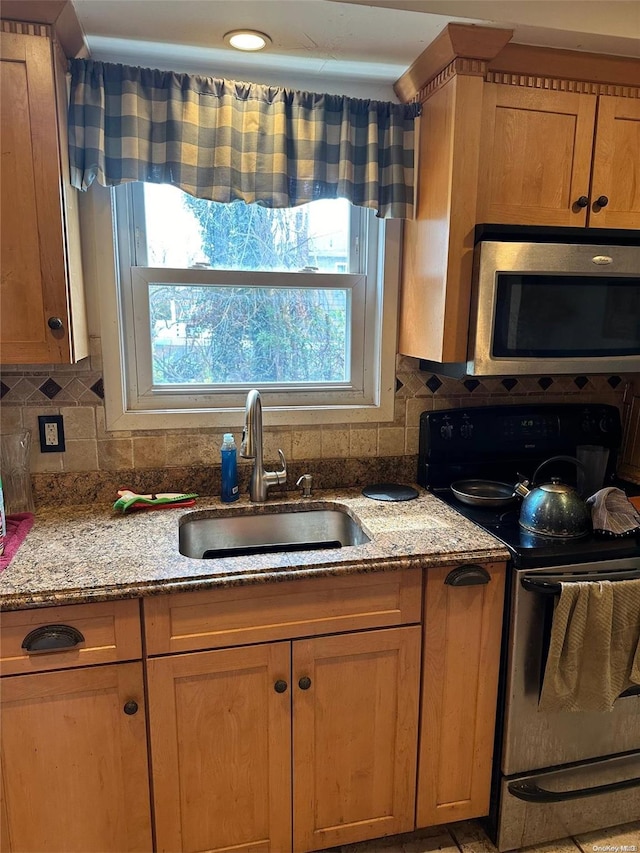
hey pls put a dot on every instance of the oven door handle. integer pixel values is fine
(555, 587)
(532, 793)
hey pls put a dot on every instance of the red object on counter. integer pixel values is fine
(18, 526)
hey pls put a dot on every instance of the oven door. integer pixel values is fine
(534, 740)
(563, 773)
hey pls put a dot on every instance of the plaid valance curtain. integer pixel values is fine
(226, 141)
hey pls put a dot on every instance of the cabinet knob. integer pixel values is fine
(583, 201)
(54, 323)
(601, 201)
(280, 686)
(304, 683)
(130, 708)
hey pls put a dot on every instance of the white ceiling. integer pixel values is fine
(357, 47)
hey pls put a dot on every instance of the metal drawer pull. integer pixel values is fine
(280, 686)
(130, 708)
(532, 793)
(304, 683)
(51, 638)
(555, 587)
(467, 576)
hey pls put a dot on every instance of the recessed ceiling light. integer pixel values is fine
(247, 39)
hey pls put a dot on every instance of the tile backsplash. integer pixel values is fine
(161, 459)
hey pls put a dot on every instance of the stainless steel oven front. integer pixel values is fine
(566, 772)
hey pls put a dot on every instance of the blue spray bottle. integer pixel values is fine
(230, 491)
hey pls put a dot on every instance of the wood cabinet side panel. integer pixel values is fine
(244, 615)
(355, 736)
(78, 329)
(461, 655)
(111, 631)
(75, 772)
(629, 464)
(438, 243)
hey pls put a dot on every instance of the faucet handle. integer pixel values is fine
(282, 474)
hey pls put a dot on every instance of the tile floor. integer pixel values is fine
(469, 837)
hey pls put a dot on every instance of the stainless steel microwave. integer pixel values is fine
(554, 307)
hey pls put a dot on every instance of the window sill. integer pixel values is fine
(233, 417)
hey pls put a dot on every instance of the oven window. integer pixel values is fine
(563, 315)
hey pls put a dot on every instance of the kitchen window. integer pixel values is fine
(214, 299)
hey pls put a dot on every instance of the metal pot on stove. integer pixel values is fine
(554, 508)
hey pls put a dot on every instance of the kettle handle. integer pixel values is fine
(571, 459)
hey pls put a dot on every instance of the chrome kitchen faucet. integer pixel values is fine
(252, 448)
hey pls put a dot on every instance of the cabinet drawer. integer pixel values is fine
(110, 632)
(279, 611)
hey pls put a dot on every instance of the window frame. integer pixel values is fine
(126, 410)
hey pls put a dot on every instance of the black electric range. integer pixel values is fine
(507, 443)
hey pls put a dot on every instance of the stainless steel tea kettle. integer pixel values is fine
(553, 509)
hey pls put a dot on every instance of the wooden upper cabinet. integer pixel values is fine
(616, 164)
(536, 156)
(43, 319)
(549, 157)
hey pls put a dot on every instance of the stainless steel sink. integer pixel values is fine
(265, 533)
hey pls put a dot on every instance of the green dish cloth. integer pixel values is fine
(130, 500)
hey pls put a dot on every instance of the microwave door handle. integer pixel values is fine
(554, 587)
(532, 793)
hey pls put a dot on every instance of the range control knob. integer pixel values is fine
(466, 430)
(446, 431)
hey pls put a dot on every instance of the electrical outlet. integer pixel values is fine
(51, 433)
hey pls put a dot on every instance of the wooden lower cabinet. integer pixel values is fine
(461, 658)
(222, 724)
(221, 749)
(355, 727)
(74, 762)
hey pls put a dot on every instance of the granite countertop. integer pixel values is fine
(78, 554)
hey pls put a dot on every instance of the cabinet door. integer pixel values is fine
(616, 164)
(74, 763)
(536, 156)
(354, 736)
(35, 270)
(461, 656)
(221, 750)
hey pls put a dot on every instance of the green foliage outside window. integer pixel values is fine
(228, 335)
